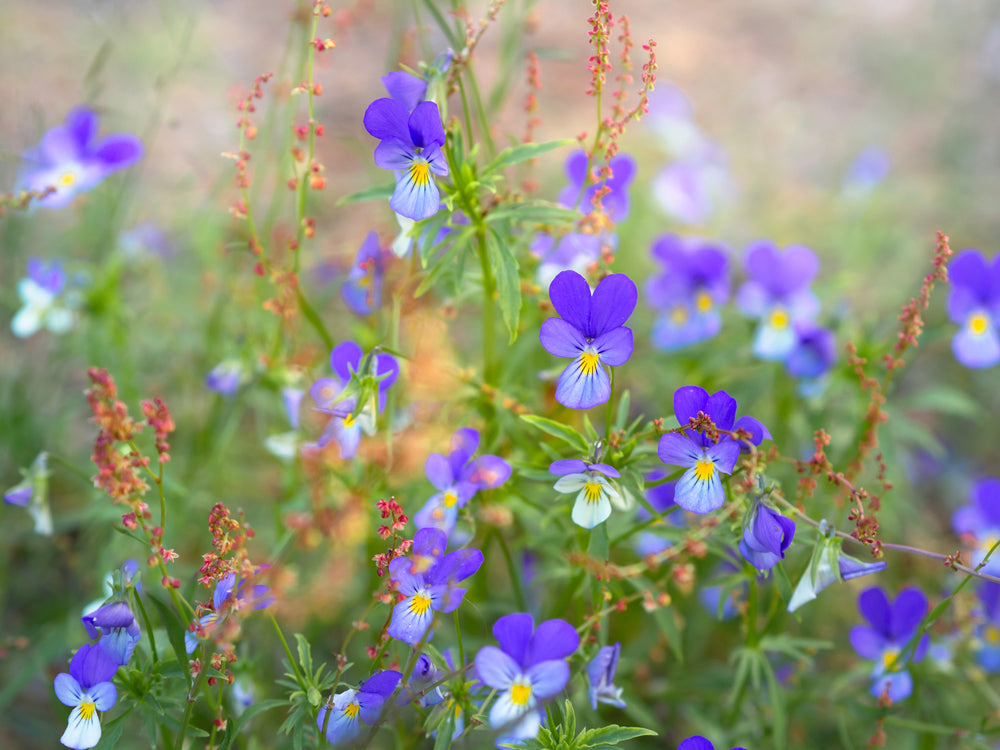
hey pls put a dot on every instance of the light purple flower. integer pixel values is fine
(867, 170)
(691, 188)
(226, 377)
(590, 331)
(974, 304)
(528, 668)
(363, 289)
(72, 159)
(814, 352)
(43, 302)
(890, 627)
(616, 202)
(87, 689)
(766, 536)
(351, 707)
(32, 494)
(117, 628)
(980, 522)
(595, 495)
(601, 677)
(697, 742)
(988, 628)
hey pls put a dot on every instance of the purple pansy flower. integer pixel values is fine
(988, 630)
(890, 627)
(867, 170)
(661, 497)
(694, 282)
(411, 145)
(424, 674)
(346, 420)
(814, 351)
(258, 596)
(766, 536)
(595, 495)
(974, 304)
(458, 477)
(117, 628)
(590, 331)
(529, 667)
(697, 742)
(363, 289)
(88, 689)
(601, 677)
(354, 706)
(427, 581)
(32, 494)
(71, 158)
(226, 377)
(690, 188)
(616, 202)
(980, 522)
(778, 293)
(42, 303)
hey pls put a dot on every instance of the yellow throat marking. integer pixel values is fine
(592, 492)
(589, 362)
(352, 709)
(991, 634)
(889, 657)
(65, 181)
(87, 709)
(420, 604)
(420, 173)
(704, 469)
(703, 302)
(450, 498)
(978, 324)
(519, 694)
(679, 315)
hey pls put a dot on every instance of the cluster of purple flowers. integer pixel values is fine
(228, 595)
(974, 305)
(362, 292)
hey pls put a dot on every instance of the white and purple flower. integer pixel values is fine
(352, 707)
(595, 494)
(890, 626)
(974, 304)
(88, 690)
(43, 302)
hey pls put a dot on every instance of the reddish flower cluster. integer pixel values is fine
(390, 509)
(158, 417)
(117, 471)
(229, 538)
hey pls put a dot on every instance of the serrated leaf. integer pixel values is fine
(557, 429)
(379, 192)
(523, 152)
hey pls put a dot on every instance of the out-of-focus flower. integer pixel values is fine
(42, 299)
(72, 159)
(828, 564)
(411, 146)
(528, 668)
(351, 707)
(691, 188)
(590, 331)
(115, 624)
(980, 523)
(988, 629)
(427, 583)
(869, 169)
(778, 293)
(227, 596)
(363, 289)
(890, 627)
(32, 494)
(721, 598)
(595, 495)
(697, 742)
(424, 674)
(766, 536)
(458, 477)
(974, 304)
(616, 202)
(814, 352)
(601, 677)
(227, 377)
(352, 396)
(146, 239)
(87, 689)
(570, 252)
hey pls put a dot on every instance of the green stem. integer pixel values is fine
(611, 413)
(512, 571)
(149, 627)
(461, 652)
(488, 308)
(192, 694)
(752, 636)
(288, 653)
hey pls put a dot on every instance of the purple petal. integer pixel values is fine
(696, 742)
(118, 151)
(21, 495)
(548, 677)
(223, 590)
(429, 543)
(425, 125)
(976, 350)
(721, 407)
(615, 346)
(675, 449)
(688, 401)
(405, 573)
(415, 197)
(92, 665)
(986, 496)
(758, 432)
(605, 469)
(850, 568)
(395, 154)
(699, 495)
(577, 390)
(724, 454)
(381, 683)
(969, 270)
(570, 296)
(496, 668)
(488, 472)
(385, 364)
(386, 119)
(874, 607)
(405, 88)
(68, 690)
(464, 443)
(576, 170)
(552, 639)
(867, 642)
(439, 471)
(344, 357)
(560, 338)
(899, 685)
(454, 567)
(569, 466)
(113, 615)
(907, 612)
(613, 302)
(61, 146)
(409, 624)
(513, 632)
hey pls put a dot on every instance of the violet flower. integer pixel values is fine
(227, 377)
(601, 677)
(766, 536)
(458, 477)
(590, 331)
(528, 668)
(974, 304)
(427, 581)
(695, 280)
(362, 292)
(117, 628)
(227, 596)
(691, 188)
(616, 202)
(980, 523)
(778, 293)
(88, 689)
(697, 742)
(890, 627)
(867, 170)
(814, 351)
(595, 494)
(32, 494)
(987, 630)
(351, 707)
(571, 252)
(411, 146)
(43, 301)
(72, 159)
(424, 674)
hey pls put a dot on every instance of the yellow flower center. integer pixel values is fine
(987, 544)
(592, 492)
(65, 181)
(352, 709)
(420, 173)
(779, 318)
(703, 302)
(349, 420)
(87, 709)
(991, 634)
(679, 315)
(420, 604)
(889, 657)
(450, 499)
(519, 694)
(704, 469)
(978, 324)
(589, 361)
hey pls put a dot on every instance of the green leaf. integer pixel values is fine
(447, 30)
(598, 548)
(505, 270)
(379, 192)
(621, 418)
(943, 399)
(175, 630)
(252, 710)
(540, 212)
(777, 697)
(557, 429)
(612, 736)
(305, 653)
(517, 154)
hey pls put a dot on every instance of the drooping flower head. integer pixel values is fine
(778, 293)
(979, 523)
(595, 494)
(528, 668)
(87, 689)
(352, 396)
(591, 332)
(351, 707)
(115, 624)
(32, 494)
(988, 628)
(766, 536)
(457, 477)
(411, 145)
(363, 289)
(890, 626)
(601, 677)
(827, 565)
(427, 582)
(228, 596)
(425, 673)
(974, 304)
(616, 202)
(42, 299)
(695, 281)
(72, 159)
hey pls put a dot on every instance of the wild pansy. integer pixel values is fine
(427, 582)
(32, 494)
(699, 489)
(424, 674)
(87, 689)
(353, 395)
(890, 626)
(43, 304)
(694, 282)
(72, 159)
(601, 677)
(458, 477)
(697, 742)
(615, 202)
(591, 332)
(115, 624)
(979, 523)
(814, 351)
(227, 377)
(778, 293)
(228, 596)
(351, 707)
(528, 667)
(828, 564)
(988, 628)
(411, 146)
(691, 188)
(766, 536)
(595, 495)
(362, 292)
(974, 304)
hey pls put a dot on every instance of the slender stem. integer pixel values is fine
(752, 612)
(611, 412)
(488, 308)
(149, 627)
(192, 694)
(461, 650)
(288, 653)
(515, 579)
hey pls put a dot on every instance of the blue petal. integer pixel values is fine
(579, 391)
(412, 200)
(698, 495)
